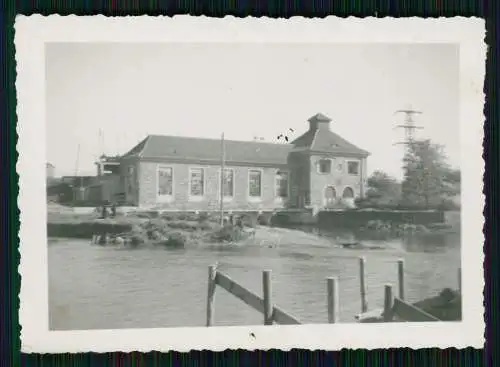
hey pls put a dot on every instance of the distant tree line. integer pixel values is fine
(429, 182)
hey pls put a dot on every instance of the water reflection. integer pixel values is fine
(413, 243)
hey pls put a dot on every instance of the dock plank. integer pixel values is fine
(251, 299)
(240, 292)
(282, 318)
(370, 316)
(408, 312)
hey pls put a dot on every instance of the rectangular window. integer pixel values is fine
(254, 183)
(324, 166)
(228, 182)
(165, 181)
(197, 182)
(281, 184)
(353, 168)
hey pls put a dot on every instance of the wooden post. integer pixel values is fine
(332, 286)
(401, 279)
(212, 272)
(460, 280)
(388, 302)
(268, 303)
(362, 285)
(222, 163)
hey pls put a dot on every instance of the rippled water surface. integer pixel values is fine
(92, 287)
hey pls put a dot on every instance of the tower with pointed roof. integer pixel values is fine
(327, 170)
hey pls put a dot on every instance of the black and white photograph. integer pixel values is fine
(206, 186)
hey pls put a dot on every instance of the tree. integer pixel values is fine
(381, 184)
(426, 174)
(453, 180)
(383, 191)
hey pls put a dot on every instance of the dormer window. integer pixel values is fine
(324, 166)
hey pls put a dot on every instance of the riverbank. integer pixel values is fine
(376, 224)
(187, 230)
(182, 229)
(135, 229)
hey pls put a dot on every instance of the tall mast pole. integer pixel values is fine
(222, 163)
(408, 126)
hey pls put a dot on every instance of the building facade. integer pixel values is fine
(319, 169)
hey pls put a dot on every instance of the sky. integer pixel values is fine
(106, 97)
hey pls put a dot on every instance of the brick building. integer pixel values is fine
(318, 169)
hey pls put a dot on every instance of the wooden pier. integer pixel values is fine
(271, 313)
(395, 307)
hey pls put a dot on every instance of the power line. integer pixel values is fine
(408, 126)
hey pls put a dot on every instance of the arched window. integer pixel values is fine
(330, 196)
(348, 193)
(330, 192)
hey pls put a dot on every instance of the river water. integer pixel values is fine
(92, 287)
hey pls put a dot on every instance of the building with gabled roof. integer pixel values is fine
(318, 169)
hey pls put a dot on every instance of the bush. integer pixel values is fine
(191, 217)
(205, 226)
(136, 240)
(203, 217)
(377, 225)
(185, 225)
(144, 215)
(249, 220)
(448, 205)
(264, 219)
(138, 235)
(167, 216)
(155, 235)
(227, 234)
(280, 219)
(175, 240)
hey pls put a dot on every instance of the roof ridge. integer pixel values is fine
(344, 144)
(133, 150)
(314, 138)
(146, 141)
(214, 139)
(347, 142)
(300, 137)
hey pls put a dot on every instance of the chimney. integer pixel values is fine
(319, 122)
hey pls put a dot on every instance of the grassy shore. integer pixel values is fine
(139, 228)
(177, 229)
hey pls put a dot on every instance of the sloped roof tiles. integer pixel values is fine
(190, 148)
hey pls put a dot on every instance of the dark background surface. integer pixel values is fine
(9, 255)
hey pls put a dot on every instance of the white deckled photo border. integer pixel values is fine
(31, 35)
